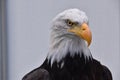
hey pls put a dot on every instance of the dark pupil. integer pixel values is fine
(70, 23)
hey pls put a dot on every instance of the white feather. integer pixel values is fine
(63, 41)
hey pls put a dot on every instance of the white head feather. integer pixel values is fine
(63, 41)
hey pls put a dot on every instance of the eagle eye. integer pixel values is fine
(70, 23)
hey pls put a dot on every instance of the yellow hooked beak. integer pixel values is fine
(82, 31)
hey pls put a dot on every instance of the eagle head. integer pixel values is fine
(71, 34)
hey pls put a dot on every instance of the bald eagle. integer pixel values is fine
(69, 56)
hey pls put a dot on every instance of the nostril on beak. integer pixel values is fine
(83, 29)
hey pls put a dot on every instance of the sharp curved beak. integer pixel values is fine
(83, 32)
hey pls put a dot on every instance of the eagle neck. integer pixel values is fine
(66, 44)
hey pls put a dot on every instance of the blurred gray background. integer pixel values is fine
(28, 30)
